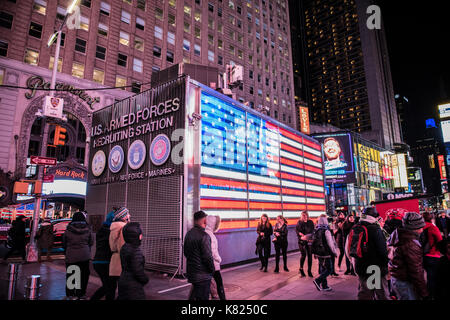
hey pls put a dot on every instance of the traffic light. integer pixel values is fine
(60, 136)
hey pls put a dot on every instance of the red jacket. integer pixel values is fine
(434, 236)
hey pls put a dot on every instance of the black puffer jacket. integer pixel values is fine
(197, 250)
(77, 241)
(102, 251)
(133, 278)
(377, 251)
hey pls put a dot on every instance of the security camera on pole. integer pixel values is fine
(53, 107)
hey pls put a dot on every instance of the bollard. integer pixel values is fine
(32, 287)
(12, 280)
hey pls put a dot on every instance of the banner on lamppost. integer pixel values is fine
(53, 107)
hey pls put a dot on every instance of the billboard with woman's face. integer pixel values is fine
(338, 157)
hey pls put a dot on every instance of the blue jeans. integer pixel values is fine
(404, 290)
(325, 269)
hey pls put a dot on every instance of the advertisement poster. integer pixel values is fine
(338, 154)
(401, 206)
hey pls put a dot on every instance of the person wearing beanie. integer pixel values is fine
(132, 278)
(323, 247)
(375, 254)
(77, 242)
(199, 259)
(406, 265)
(102, 259)
(430, 238)
(116, 241)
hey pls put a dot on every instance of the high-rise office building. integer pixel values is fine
(347, 73)
(121, 42)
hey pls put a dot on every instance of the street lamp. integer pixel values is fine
(32, 249)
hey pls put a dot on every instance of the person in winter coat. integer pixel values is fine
(212, 226)
(406, 266)
(442, 289)
(443, 223)
(102, 259)
(281, 243)
(133, 278)
(199, 258)
(346, 227)
(375, 255)
(77, 242)
(116, 241)
(263, 244)
(431, 258)
(17, 234)
(45, 237)
(339, 235)
(323, 247)
(393, 221)
(304, 229)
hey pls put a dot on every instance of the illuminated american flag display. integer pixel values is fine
(251, 166)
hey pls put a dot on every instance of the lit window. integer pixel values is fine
(137, 65)
(52, 61)
(84, 23)
(187, 10)
(159, 13)
(103, 29)
(31, 57)
(210, 39)
(158, 32)
(186, 45)
(99, 76)
(140, 23)
(40, 6)
(198, 16)
(240, 54)
(197, 32)
(219, 44)
(171, 38)
(2, 74)
(173, 3)
(211, 23)
(138, 44)
(171, 19)
(126, 17)
(124, 38)
(127, 1)
(231, 4)
(121, 81)
(197, 50)
(78, 70)
(211, 55)
(187, 27)
(105, 8)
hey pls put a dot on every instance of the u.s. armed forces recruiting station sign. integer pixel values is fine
(132, 139)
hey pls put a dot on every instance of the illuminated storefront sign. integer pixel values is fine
(445, 127)
(442, 167)
(400, 170)
(304, 120)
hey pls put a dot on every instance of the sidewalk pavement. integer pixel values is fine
(243, 282)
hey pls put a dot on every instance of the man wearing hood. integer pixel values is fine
(199, 259)
(376, 254)
(406, 266)
(212, 226)
(116, 241)
(323, 248)
(45, 238)
(77, 242)
(102, 259)
(132, 278)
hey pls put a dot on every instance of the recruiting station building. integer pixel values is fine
(181, 147)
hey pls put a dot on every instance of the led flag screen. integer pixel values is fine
(251, 166)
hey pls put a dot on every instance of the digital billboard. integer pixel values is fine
(445, 127)
(444, 110)
(339, 166)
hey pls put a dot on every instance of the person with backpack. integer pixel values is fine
(263, 244)
(406, 265)
(281, 242)
(323, 248)
(430, 237)
(304, 228)
(367, 245)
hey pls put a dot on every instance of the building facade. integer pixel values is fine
(121, 42)
(347, 73)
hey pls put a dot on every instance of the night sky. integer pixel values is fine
(418, 37)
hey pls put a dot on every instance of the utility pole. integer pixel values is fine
(32, 249)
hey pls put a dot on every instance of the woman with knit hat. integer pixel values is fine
(406, 266)
(116, 241)
(77, 242)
